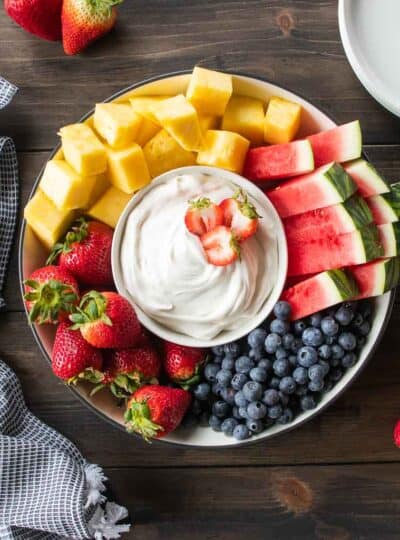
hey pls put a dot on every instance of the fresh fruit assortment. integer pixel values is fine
(343, 233)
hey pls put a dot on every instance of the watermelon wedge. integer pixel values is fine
(341, 143)
(326, 186)
(279, 161)
(330, 221)
(320, 292)
(389, 234)
(367, 178)
(326, 253)
(377, 277)
(386, 208)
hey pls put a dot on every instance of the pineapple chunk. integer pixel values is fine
(128, 169)
(179, 118)
(83, 150)
(117, 123)
(144, 105)
(163, 153)
(245, 115)
(46, 220)
(282, 121)
(100, 185)
(64, 187)
(110, 206)
(208, 121)
(147, 131)
(223, 149)
(209, 91)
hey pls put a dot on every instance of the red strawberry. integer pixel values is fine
(84, 21)
(73, 358)
(125, 370)
(182, 364)
(40, 17)
(220, 246)
(154, 411)
(86, 253)
(396, 434)
(203, 216)
(107, 321)
(51, 294)
(240, 215)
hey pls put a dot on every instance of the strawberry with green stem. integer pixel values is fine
(183, 365)
(240, 215)
(203, 216)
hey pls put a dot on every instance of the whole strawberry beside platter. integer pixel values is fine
(39, 17)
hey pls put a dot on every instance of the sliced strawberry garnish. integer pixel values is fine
(240, 215)
(203, 216)
(221, 246)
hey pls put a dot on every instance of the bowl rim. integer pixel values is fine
(239, 444)
(280, 243)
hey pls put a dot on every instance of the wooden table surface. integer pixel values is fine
(337, 477)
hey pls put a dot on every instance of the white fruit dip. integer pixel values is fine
(165, 271)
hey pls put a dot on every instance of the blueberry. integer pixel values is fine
(240, 399)
(265, 363)
(351, 305)
(365, 309)
(328, 385)
(224, 377)
(312, 337)
(196, 408)
(287, 341)
(232, 349)
(241, 432)
(218, 360)
(210, 372)
(228, 425)
(287, 385)
(228, 395)
(214, 422)
(299, 327)
(201, 391)
(255, 426)
(243, 412)
(293, 360)
(325, 366)
(280, 327)
(307, 356)
(218, 350)
(325, 351)
(252, 391)
(256, 410)
(216, 389)
(274, 383)
(361, 341)
(281, 367)
(228, 363)
(235, 413)
(301, 390)
(256, 338)
(316, 372)
(296, 345)
(349, 360)
(347, 341)
(243, 364)
(272, 342)
(344, 315)
(307, 403)
(286, 416)
(315, 320)
(256, 354)
(330, 340)
(329, 326)
(221, 409)
(300, 375)
(283, 398)
(258, 374)
(281, 353)
(336, 374)
(358, 320)
(239, 380)
(282, 310)
(365, 328)
(337, 353)
(270, 397)
(275, 411)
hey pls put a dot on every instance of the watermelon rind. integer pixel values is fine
(367, 178)
(393, 198)
(381, 276)
(392, 273)
(381, 209)
(389, 234)
(340, 181)
(344, 283)
(371, 242)
(359, 211)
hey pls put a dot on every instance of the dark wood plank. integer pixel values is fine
(295, 44)
(357, 428)
(322, 503)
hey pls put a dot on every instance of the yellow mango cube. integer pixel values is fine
(282, 121)
(64, 187)
(110, 206)
(163, 153)
(223, 149)
(245, 115)
(177, 116)
(143, 105)
(128, 169)
(83, 150)
(147, 131)
(100, 185)
(208, 121)
(117, 123)
(46, 220)
(209, 91)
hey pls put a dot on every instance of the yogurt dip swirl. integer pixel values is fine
(165, 271)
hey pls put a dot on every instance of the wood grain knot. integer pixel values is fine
(285, 22)
(295, 495)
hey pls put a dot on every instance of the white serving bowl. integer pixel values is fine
(32, 255)
(268, 212)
